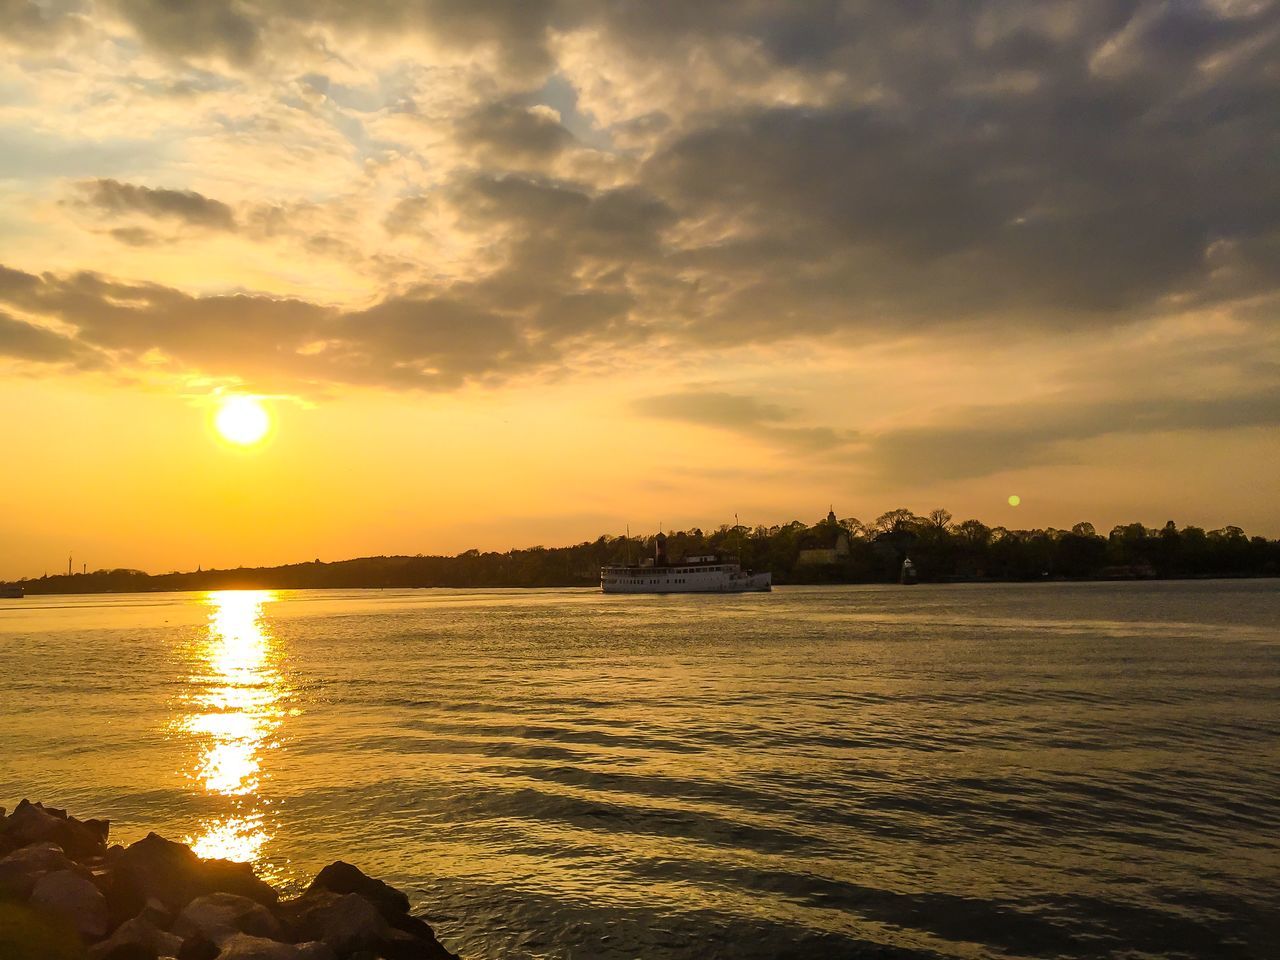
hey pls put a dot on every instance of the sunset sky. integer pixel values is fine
(507, 272)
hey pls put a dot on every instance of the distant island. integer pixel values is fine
(829, 551)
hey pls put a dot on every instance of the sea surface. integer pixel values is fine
(1042, 770)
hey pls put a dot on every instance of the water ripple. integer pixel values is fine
(956, 772)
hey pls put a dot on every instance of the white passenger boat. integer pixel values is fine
(709, 574)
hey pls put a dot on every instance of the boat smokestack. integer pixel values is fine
(660, 550)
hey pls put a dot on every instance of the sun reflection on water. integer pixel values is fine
(235, 711)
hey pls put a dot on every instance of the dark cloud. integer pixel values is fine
(25, 341)
(211, 28)
(1059, 166)
(421, 339)
(713, 408)
(750, 416)
(238, 32)
(135, 236)
(1075, 204)
(997, 162)
(510, 134)
(194, 209)
(980, 441)
(551, 219)
(27, 23)
(432, 341)
(1007, 167)
(578, 262)
(570, 267)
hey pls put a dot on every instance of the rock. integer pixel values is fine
(29, 823)
(197, 948)
(221, 915)
(157, 913)
(42, 857)
(244, 947)
(346, 922)
(75, 900)
(414, 925)
(342, 877)
(406, 937)
(20, 870)
(156, 868)
(131, 951)
(398, 945)
(156, 900)
(33, 822)
(353, 923)
(139, 937)
(124, 900)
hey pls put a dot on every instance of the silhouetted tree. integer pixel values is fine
(941, 550)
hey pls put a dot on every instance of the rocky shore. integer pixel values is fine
(65, 894)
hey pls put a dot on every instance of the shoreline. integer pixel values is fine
(66, 894)
(946, 582)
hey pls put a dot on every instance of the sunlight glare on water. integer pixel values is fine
(234, 712)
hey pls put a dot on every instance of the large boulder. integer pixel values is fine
(330, 910)
(198, 948)
(20, 870)
(75, 900)
(405, 937)
(415, 926)
(138, 938)
(399, 945)
(346, 922)
(244, 947)
(341, 877)
(218, 916)
(156, 868)
(33, 822)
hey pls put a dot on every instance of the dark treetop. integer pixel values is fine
(830, 551)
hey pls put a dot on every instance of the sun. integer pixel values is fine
(1014, 500)
(242, 420)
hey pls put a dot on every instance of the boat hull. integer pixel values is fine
(743, 583)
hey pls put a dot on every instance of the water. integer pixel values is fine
(1047, 770)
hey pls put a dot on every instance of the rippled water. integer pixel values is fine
(1050, 770)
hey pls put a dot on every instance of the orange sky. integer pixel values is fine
(526, 273)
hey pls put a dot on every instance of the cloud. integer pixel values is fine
(219, 28)
(421, 339)
(246, 34)
(754, 418)
(509, 134)
(25, 341)
(28, 23)
(135, 236)
(1076, 209)
(736, 174)
(981, 441)
(115, 198)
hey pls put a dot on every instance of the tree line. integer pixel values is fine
(830, 551)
